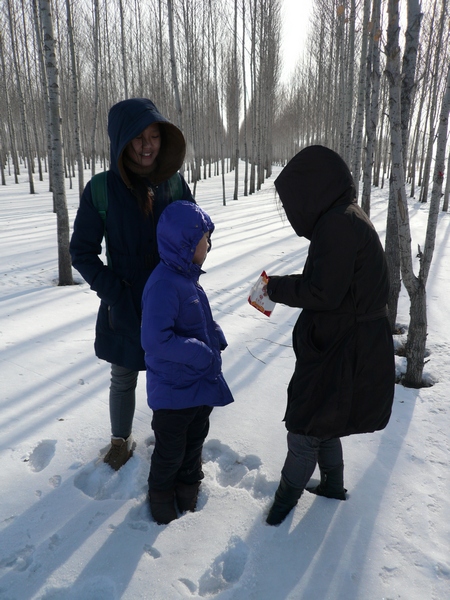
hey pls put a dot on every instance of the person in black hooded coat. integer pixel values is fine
(344, 376)
(146, 153)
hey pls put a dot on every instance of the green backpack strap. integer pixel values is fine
(176, 187)
(99, 193)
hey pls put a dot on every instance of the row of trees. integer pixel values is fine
(207, 65)
(370, 85)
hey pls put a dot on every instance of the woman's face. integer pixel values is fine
(144, 148)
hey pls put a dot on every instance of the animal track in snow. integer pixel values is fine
(42, 455)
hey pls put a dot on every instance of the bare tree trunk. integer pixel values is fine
(30, 94)
(438, 179)
(96, 33)
(349, 91)
(244, 88)
(372, 117)
(409, 70)
(236, 104)
(161, 55)
(123, 49)
(415, 286)
(433, 100)
(59, 192)
(11, 131)
(75, 100)
(2, 157)
(173, 64)
(407, 88)
(44, 89)
(216, 85)
(447, 187)
(21, 97)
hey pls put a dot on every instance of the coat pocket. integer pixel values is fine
(122, 316)
(191, 314)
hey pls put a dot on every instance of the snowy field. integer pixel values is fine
(72, 529)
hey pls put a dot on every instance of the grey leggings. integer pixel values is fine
(122, 400)
(304, 452)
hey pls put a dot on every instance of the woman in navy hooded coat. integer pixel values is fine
(182, 344)
(344, 376)
(146, 153)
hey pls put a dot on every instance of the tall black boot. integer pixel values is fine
(162, 506)
(331, 484)
(286, 497)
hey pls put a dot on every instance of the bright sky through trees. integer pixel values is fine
(295, 16)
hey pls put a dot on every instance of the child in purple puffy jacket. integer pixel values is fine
(182, 345)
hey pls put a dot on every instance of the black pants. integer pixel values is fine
(304, 452)
(179, 437)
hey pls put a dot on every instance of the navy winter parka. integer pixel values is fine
(131, 236)
(344, 376)
(181, 340)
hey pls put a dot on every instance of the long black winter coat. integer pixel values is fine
(344, 375)
(131, 236)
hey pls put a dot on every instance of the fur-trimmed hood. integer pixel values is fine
(126, 120)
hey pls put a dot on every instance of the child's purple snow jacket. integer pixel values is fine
(182, 342)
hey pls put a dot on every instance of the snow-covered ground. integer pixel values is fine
(72, 529)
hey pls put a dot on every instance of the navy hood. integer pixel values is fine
(316, 179)
(126, 120)
(181, 226)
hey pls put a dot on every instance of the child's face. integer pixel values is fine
(202, 250)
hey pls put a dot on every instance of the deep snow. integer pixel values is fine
(73, 529)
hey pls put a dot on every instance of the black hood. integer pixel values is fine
(127, 119)
(311, 183)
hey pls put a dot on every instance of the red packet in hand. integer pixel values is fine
(259, 298)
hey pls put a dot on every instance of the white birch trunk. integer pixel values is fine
(236, 104)
(11, 130)
(123, 49)
(96, 34)
(372, 117)
(59, 192)
(23, 116)
(173, 65)
(75, 99)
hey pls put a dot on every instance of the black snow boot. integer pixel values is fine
(162, 506)
(186, 495)
(331, 484)
(286, 497)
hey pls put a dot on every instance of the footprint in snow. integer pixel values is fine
(98, 588)
(226, 570)
(152, 551)
(42, 455)
(232, 470)
(100, 482)
(18, 561)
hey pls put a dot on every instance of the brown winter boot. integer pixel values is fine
(162, 506)
(120, 451)
(187, 495)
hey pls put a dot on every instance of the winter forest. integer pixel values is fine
(373, 84)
